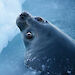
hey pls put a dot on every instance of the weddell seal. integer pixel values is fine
(48, 50)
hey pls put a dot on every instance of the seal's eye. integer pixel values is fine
(39, 19)
(29, 35)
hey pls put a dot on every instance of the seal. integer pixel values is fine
(48, 50)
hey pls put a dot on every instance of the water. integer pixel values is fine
(61, 13)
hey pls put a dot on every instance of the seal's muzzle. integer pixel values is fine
(21, 20)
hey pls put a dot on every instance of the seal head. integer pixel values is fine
(48, 49)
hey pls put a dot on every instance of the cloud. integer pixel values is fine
(9, 10)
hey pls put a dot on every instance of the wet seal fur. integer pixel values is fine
(48, 50)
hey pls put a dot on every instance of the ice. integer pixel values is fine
(9, 10)
(69, 72)
(43, 67)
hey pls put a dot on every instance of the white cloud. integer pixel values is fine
(9, 10)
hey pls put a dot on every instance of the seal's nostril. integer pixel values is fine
(23, 15)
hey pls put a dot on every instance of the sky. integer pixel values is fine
(60, 13)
